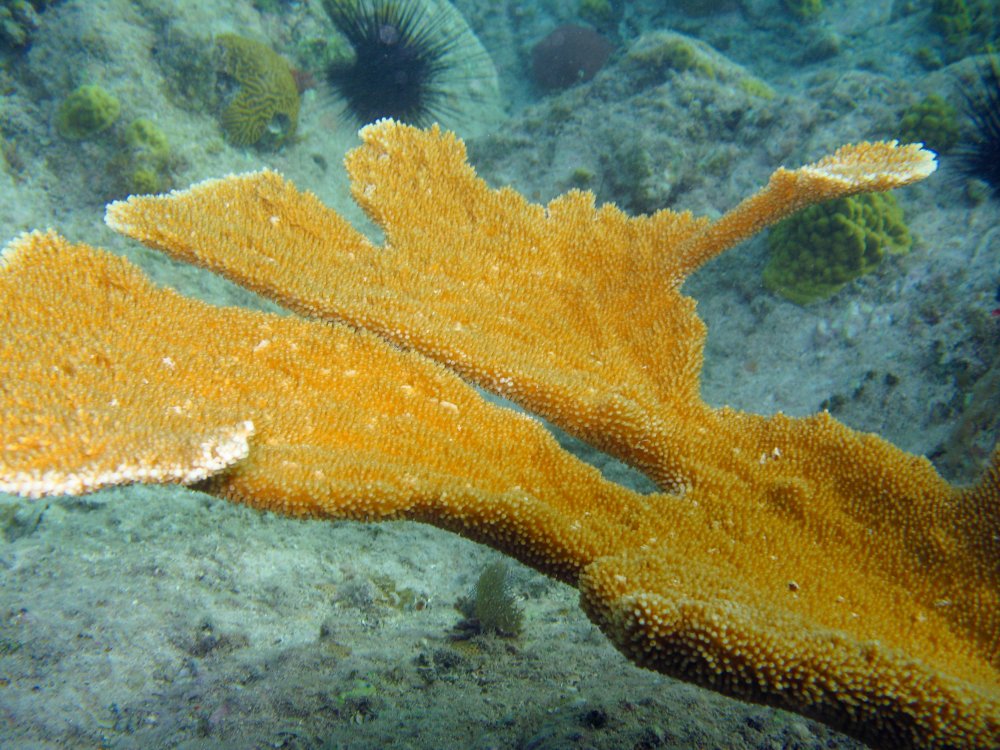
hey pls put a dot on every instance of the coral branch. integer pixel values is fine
(794, 562)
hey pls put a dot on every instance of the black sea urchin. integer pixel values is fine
(980, 156)
(402, 59)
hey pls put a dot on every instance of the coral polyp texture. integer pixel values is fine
(819, 250)
(791, 562)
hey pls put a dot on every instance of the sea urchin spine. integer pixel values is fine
(980, 157)
(400, 65)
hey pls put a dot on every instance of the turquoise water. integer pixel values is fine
(163, 617)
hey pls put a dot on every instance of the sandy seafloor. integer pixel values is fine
(162, 617)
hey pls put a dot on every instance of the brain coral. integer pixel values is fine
(265, 108)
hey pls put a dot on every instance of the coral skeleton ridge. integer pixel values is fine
(791, 562)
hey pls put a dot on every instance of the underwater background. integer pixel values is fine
(163, 617)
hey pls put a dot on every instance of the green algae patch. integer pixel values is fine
(815, 252)
(86, 112)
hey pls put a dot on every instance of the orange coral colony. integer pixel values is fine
(791, 562)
